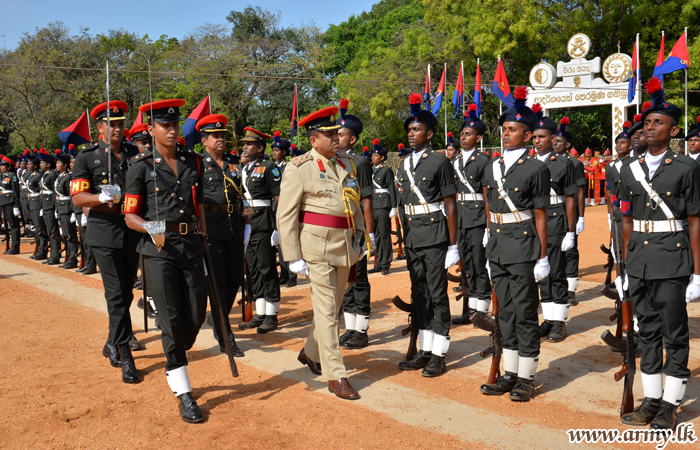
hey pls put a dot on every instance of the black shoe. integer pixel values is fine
(666, 418)
(60, 266)
(386, 271)
(255, 322)
(418, 362)
(291, 283)
(546, 328)
(435, 367)
(129, 373)
(270, 324)
(402, 257)
(52, 261)
(189, 411)
(358, 340)
(558, 332)
(643, 415)
(283, 281)
(523, 391)
(374, 270)
(89, 271)
(134, 344)
(81, 270)
(12, 252)
(70, 265)
(40, 257)
(503, 384)
(112, 353)
(138, 285)
(235, 351)
(572, 298)
(345, 336)
(151, 313)
(464, 318)
(158, 322)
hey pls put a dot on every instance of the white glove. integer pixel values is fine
(452, 256)
(392, 213)
(622, 286)
(15, 211)
(487, 234)
(83, 220)
(105, 197)
(246, 236)
(541, 269)
(580, 225)
(275, 238)
(73, 219)
(568, 242)
(371, 238)
(299, 267)
(609, 223)
(41, 212)
(692, 292)
(488, 268)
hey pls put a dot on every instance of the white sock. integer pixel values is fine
(473, 302)
(510, 360)
(674, 390)
(483, 305)
(560, 312)
(426, 340)
(440, 345)
(260, 306)
(573, 284)
(178, 380)
(527, 367)
(361, 323)
(271, 309)
(547, 310)
(652, 385)
(349, 320)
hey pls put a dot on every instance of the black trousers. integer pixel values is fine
(26, 212)
(426, 267)
(70, 233)
(663, 324)
(85, 249)
(178, 289)
(118, 271)
(13, 224)
(285, 273)
(227, 259)
(40, 230)
(572, 258)
(516, 291)
(382, 236)
(555, 288)
(262, 264)
(51, 223)
(473, 256)
(357, 296)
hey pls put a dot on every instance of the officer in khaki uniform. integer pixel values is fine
(9, 202)
(322, 236)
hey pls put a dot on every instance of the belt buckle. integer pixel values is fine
(122, 208)
(499, 218)
(229, 208)
(425, 208)
(646, 226)
(672, 225)
(516, 216)
(182, 226)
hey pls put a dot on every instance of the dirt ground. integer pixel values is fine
(58, 391)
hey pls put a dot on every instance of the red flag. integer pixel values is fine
(660, 57)
(500, 85)
(76, 134)
(678, 59)
(192, 136)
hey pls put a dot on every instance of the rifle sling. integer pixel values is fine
(115, 174)
(164, 182)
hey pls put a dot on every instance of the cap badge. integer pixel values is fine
(342, 122)
(541, 123)
(171, 110)
(666, 105)
(218, 124)
(471, 123)
(115, 110)
(518, 117)
(332, 118)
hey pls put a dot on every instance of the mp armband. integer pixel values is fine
(79, 185)
(133, 204)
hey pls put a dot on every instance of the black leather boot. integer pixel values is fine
(572, 298)
(112, 353)
(419, 361)
(435, 367)
(269, 324)
(255, 322)
(666, 418)
(503, 384)
(464, 318)
(129, 373)
(345, 336)
(189, 411)
(546, 328)
(558, 332)
(358, 340)
(644, 414)
(523, 390)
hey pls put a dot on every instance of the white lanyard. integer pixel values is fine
(414, 188)
(640, 176)
(502, 192)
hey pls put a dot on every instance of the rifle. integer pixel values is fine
(495, 348)
(399, 235)
(411, 328)
(246, 300)
(624, 346)
(7, 234)
(613, 295)
(464, 286)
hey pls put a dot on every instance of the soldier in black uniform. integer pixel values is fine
(428, 190)
(112, 243)
(174, 273)
(658, 193)
(612, 180)
(48, 207)
(261, 183)
(560, 228)
(469, 166)
(518, 193)
(226, 225)
(562, 144)
(693, 140)
(357, 297)
(22, 176)
(9, 202)
(280, 151)
(452, 148)
(90, 265)
(64, 209)
(33, 184)
(636, 134)
(141, 138)
(384, 203)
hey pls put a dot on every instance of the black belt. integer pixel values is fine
(182, 227)
(105, 208)
(230, 208)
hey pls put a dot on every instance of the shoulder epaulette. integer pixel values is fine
(299, 160)
(684, 159)
(142, 156)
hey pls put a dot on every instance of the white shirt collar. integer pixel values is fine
(511, 156)
(544, 158)
(466, 154)
(417, 156)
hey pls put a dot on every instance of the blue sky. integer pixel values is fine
(176, 18)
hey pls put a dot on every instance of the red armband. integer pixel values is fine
(79, 185)
(132, 204)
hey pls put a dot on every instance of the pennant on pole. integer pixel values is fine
(458, 96)
(192, 136)
(678, 59)
(660, 57)
(440, 93)
(477, 89)
(426, 93)
(78, 133)
(632, 86)
(500, 85)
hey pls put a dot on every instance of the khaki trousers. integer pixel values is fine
(327, 288)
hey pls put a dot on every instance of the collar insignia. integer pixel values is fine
(158, 160)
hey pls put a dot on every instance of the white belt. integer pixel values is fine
(46, 192)
(657, 226)
(416, 210)
(556, 199)
(516, 217)
(5, 191)
(259, 203)
(34, 194)
(470, 197)
(62, 197)
(381, 191)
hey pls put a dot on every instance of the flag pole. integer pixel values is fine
(296, 115)
(211, 111)
(685, 145)
(87, 113)
(500, 112)
(477, 63)
(639, 77)
(443, 96)
(475, 87)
